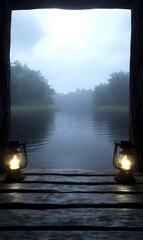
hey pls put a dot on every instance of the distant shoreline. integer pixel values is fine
(25, 108)
(112, 109)
(49, 108)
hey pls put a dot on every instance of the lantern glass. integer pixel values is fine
(125, 158)
(15, 156)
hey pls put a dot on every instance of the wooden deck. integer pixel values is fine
(71, 205)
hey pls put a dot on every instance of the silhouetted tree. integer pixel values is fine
(29, 86)
(113, 93)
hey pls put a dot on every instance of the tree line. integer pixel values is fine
(29, 87)
(115, 92)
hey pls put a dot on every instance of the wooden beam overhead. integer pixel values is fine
(70, 4)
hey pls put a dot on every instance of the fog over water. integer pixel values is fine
(65, 140)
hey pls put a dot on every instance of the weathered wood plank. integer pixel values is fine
(70, 179)
(61, 172)
(71, 188)
(125, 218)
(71, 235)
(73, 173)
(77, 209)
(71, 198)
(69, 228)
(68, 4)
(75, 179)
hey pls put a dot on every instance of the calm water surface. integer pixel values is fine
(63, 140)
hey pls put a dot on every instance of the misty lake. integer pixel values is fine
(63, 140)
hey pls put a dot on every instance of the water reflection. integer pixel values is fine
(32, 127)
(117, 124)
(69, 140)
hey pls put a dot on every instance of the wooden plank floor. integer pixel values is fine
(71, 205)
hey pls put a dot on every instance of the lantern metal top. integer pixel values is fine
(14, 144)
(125, 144)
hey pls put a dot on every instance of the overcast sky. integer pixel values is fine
(72, 49)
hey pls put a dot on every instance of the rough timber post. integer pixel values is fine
(136, 78)
(5, 23)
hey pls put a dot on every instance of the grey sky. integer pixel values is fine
(72, 49)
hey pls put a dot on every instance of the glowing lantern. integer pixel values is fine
(125, 160)
(14, 163)
(14, 159)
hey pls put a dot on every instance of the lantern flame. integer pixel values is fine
(14, 163)
(126, 163)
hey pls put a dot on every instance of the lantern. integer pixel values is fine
(125, 160)
(14, 159)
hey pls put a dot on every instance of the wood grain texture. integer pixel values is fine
(87, 217)
(79, 179)
(54, 210)
(71, 235)
(57, 188)
(65, 199)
